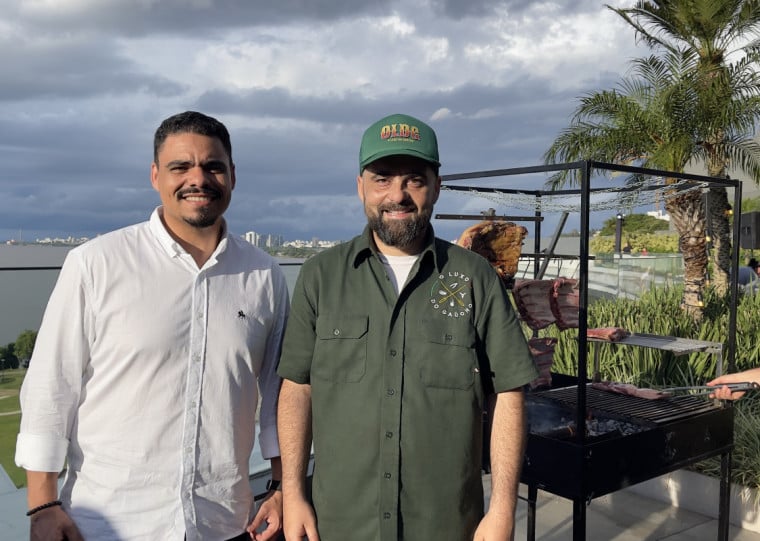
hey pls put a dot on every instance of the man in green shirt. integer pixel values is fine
(396, 343)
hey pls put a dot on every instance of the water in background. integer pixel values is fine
(24, 293)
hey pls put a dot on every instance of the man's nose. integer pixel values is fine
(198, 176)
(397, 190)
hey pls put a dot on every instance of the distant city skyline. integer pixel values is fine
(268, 240)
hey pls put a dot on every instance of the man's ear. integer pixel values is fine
(360, 187)
(154, 175)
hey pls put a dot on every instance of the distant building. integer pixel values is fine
(274, 241)
(253, 238)
(659, 215)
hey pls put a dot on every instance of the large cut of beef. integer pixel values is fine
(630, 390)
(611, 334)
(499, 242)
(565, 302)
(532, 301)
(542, 351)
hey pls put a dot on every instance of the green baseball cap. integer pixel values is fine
(398, 135)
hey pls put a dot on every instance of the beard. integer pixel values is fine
(203, 219)
(399, 233)
(206, 216)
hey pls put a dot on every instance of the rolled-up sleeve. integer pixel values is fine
(300, 336)
(52, 386)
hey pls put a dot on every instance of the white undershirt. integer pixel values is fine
(398, 267)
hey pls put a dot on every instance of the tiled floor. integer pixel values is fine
(622, 516)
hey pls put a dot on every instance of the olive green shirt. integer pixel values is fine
(398, 387)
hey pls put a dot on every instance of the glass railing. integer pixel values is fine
(24, 291)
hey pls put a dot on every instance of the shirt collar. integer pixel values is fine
(174, 248)
(365, 247)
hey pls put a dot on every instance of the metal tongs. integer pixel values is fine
(697, 390)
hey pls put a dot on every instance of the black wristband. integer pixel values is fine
(43, 506)
(273, 484)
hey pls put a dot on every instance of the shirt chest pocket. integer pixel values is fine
(450, 360)
(340, 354)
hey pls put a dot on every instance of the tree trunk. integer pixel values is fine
(720, 236)
(687, 212)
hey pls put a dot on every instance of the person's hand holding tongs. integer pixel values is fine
(746, 379)
(723, 387)
(721, 390)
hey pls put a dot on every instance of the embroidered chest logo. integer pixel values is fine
(451, 295)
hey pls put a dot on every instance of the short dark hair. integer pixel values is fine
(752, 263)
(191, 122)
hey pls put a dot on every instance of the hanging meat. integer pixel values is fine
(499, 242)
(532, 301)
(565, 303)
(542, 351)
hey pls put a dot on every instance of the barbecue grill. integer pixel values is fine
(641, 439)
(667, 434)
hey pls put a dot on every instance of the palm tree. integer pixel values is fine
(650, 120)
(713, 31)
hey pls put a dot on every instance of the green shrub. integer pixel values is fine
(654, 243)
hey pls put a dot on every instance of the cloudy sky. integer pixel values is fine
(85, 83)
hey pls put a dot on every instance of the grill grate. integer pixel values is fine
(616, 405)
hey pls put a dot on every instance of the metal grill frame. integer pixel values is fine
(583, 454)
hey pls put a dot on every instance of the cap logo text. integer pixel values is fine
(400, 131)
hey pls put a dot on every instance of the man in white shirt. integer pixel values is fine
(145, 376)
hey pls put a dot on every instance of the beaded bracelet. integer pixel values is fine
(43, 506)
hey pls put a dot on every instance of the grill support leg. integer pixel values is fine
(531, 518)
(725, 495)
(579, 520)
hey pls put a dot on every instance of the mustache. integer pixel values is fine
(393, 208)
(195, 190)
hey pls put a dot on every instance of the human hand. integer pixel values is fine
(53, 524)
(724, 393)
(495, 528)
(269, 513)
(299, 520)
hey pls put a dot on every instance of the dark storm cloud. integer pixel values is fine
(73, 69)
(129, 18)
(456, 9)
(81, 98)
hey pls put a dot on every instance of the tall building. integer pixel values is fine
(253, 238)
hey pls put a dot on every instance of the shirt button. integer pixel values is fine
(336, 332)
(387, 475)
(389, 435)
(391, 392)
(449, 337)
(386, 515)
(393, 353)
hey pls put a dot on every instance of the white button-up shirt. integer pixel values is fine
(145, 378)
